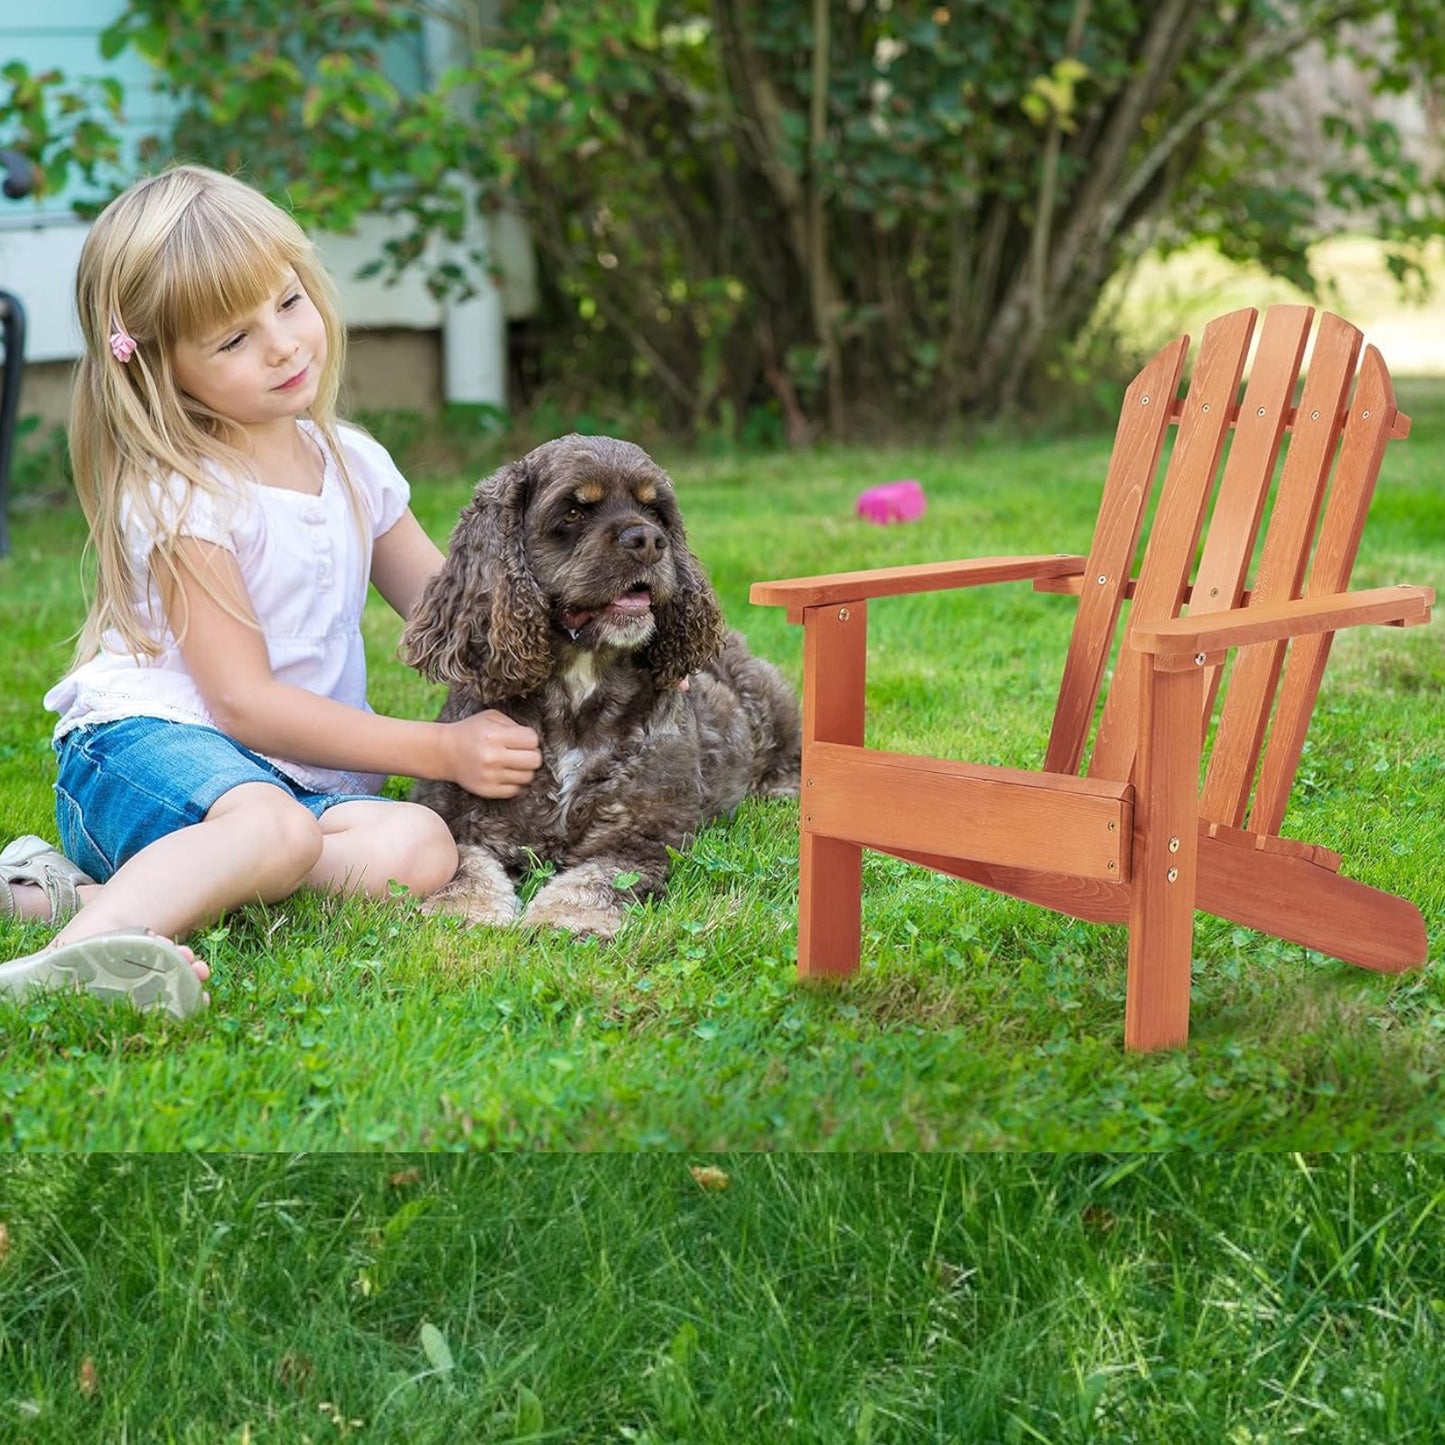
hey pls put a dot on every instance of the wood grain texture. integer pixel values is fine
(1288, 537)
(830, 870)
(1166, 851)
(1373, 420)
(1054, 822)
(1174, 535)
(833, 588)
(1297, 900)
(1133, 465)
(1186, 637)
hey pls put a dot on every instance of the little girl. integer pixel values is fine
(215, 745)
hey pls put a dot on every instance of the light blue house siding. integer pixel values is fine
(64, 35)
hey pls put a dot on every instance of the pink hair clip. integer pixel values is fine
(122, 344)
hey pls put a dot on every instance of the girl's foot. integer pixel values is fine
(30, 868)
(134, 965)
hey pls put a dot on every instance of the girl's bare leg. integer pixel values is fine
(366, 845)
(255, 843)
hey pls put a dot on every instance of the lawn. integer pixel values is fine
(874, 1300)
(975, 1023)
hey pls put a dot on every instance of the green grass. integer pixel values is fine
(1237, 1299)
(976, 1021)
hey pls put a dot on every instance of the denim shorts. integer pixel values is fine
(125, 784)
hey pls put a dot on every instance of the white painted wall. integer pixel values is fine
(38, 257)
(38, 265)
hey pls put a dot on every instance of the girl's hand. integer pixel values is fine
(490, 755)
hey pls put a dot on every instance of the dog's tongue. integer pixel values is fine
(638, 600)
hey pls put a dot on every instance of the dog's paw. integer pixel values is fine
(480, 893)
(778, 788)
(487, 910)
(580, 922)
(584, 901)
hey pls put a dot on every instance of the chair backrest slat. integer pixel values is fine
(1371, 422)
(1244, 488)
(1287, 542)
(1212, 506)
(1174, 532)
(1133, 465)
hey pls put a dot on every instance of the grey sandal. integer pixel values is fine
(131, 964)
(32, 860)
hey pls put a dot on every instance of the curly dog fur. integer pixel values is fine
(570, 601)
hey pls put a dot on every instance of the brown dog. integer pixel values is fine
(570, 601)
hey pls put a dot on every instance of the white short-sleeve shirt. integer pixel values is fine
(306, 564)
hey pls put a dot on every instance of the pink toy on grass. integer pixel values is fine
(892, 502)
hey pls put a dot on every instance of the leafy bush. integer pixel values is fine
(796, 217)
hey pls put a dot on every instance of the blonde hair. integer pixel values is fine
(177, 256)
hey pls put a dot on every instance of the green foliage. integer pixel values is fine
(745, 224)
(63, 126)
(297, 99)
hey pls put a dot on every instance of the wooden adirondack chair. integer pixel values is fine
(1136, 839)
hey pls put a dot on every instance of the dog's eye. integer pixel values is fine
(572, 516)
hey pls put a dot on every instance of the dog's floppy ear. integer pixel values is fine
(482, 620)
(689, 625)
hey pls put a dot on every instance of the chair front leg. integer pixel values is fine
(830, 870)
(1165, 856)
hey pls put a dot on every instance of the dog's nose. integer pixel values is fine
(647, 541)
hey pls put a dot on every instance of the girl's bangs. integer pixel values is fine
(224, 266)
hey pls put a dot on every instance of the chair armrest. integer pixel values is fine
(796, 593)
(1183, 640)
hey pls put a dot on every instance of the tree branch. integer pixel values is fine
(821, 289)
(1204, 109)
(1048, 180)
(1014, 337)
